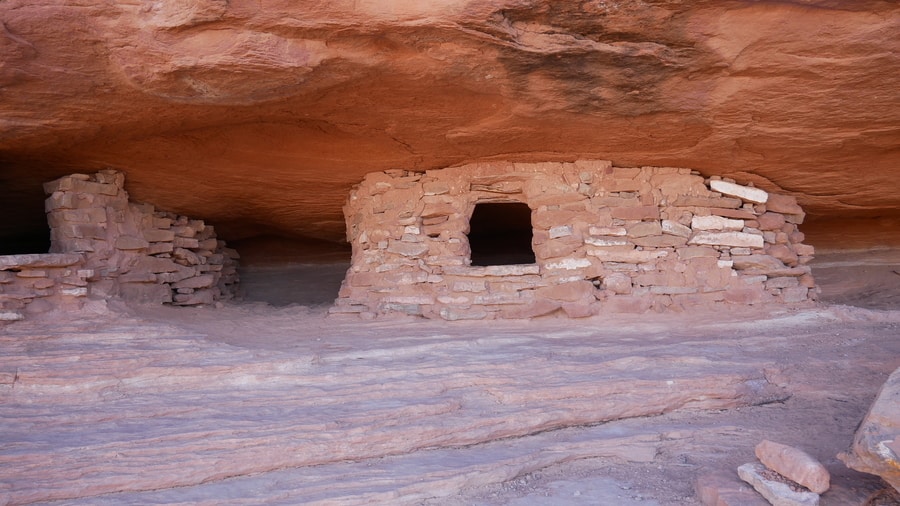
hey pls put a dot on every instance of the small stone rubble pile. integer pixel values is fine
(604, 239)
(105, 246)
(784, 476)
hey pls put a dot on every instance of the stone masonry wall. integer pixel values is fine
(105, 246)
(605, 240)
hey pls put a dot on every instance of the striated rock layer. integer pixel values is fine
(259, 116)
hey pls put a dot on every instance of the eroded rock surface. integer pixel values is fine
(281, 106)
(240, 405)
(877, 444)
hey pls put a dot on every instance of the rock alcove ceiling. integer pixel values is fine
(259, 116)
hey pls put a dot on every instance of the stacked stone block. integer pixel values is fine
(105, 246)
(605, 240)
(138, 252)
(39, 283)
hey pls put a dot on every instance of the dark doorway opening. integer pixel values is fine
(501, 234)
(282, 271)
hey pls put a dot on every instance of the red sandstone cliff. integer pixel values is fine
(259, 115)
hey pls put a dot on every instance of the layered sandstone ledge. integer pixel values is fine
(604, 239)
(105, 246)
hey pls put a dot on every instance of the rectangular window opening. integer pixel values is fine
(500, 233)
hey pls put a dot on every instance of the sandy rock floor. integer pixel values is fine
(267, 403)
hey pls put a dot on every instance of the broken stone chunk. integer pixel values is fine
(716, 223)
(737, 239)
(794, 464)
(743, 192)
(778, 490)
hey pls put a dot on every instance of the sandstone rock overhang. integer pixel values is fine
(260, 116)
(603, 239)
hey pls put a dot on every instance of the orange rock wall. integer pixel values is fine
(259, 115)
(604, 238)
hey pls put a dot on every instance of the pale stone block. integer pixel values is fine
(460, 300)
(675, 228)
(776, 492)
(568, 264)
(794, 464)
(743, 192)
(627, 256)
(80, 291)
(606, 241)
(39, 260)
(737, 239)
(11, 316)
(560, 231)
(713, 222)
(511, 270)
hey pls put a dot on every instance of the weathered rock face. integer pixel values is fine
(259, 116)
(877, 443)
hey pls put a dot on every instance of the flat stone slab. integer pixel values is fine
(39, 260)
(794, 464)
(777, 491)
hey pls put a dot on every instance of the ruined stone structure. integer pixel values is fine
(597, 239)
(105, 246)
